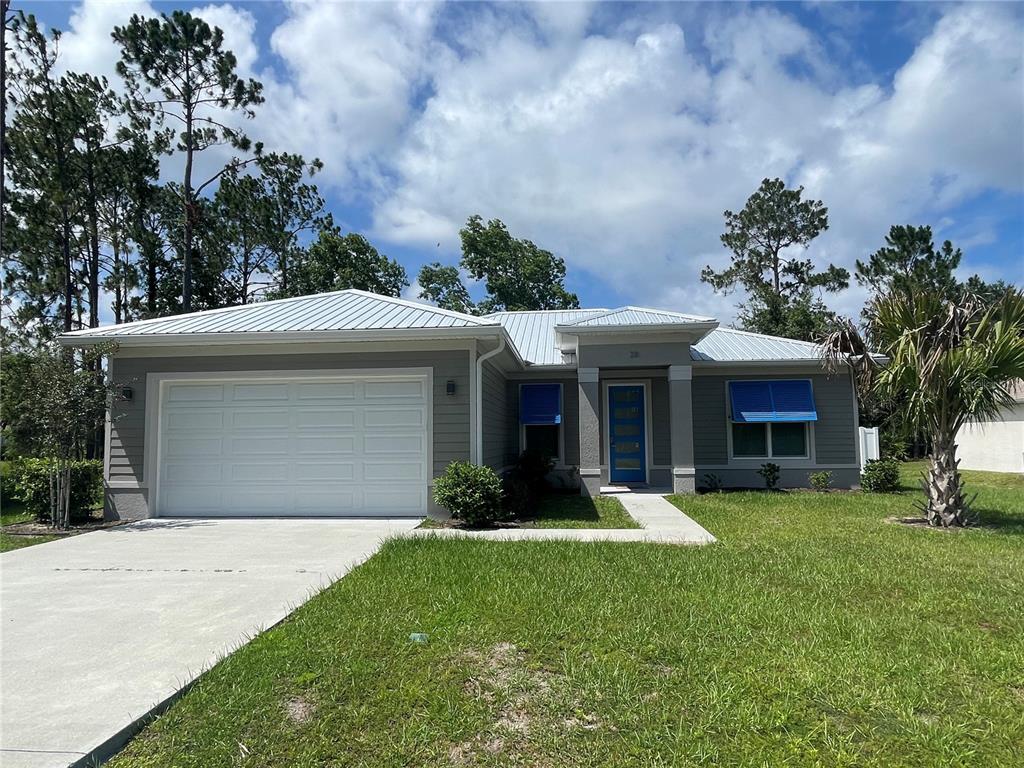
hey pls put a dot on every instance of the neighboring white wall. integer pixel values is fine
(996, 446)
(869, 447)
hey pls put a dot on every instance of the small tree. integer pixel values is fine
(60, 401)
(779, 281)
(950, 362)
(517, 273)
(336, 262)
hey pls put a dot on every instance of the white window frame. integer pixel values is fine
(808, 455)
(560, 458)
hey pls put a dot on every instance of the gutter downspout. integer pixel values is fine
(478, 408)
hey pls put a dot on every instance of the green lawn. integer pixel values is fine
(814, 634)
(14, 512)
(573, 511)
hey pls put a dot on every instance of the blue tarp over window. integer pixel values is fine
(759, 401)
(540, 404)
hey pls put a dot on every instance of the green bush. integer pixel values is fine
(770, 472)
(711, 483)
(820, 481)
(29, 481)
(533, 467)
(881, 476)
(470, 493)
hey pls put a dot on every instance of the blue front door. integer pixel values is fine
(627, 437)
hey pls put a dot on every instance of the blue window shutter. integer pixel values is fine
(751, 401)
(761, 401)
(793, 401)
(540, 404)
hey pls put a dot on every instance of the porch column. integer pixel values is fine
(680, 400)
(590, 432)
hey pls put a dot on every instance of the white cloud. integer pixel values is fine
(621, 153)
(620, 148)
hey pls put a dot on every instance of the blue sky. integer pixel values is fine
(616, 134)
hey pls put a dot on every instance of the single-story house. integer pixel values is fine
(350, 403)
(995, 445)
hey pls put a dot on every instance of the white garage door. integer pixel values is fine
(294, 446)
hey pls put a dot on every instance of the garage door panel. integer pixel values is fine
(258, 472)
(394, 470)
(394, 444)
(192, 472)
(316, 445)
(404, 390)
(312, 472)
(394, 501)
(255, 445)
(242, 392)
(191, 500)
(189, 447)
(318, 417)
(313, 502)
(394, 417)
(340, 390)
(196, 393)
(351, 446)
(190, 420)
(257, 418)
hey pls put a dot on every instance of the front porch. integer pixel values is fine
(636, 429)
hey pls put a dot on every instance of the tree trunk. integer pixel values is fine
(186, 288)
(4, 7)
(65, 237)
(945, 503)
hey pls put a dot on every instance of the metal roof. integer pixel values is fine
(631, 316)
(533, 333)
(729, 345)
(348, 310)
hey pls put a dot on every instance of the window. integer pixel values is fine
(542, 438)
(540, 417)
(769, 419)
(787, 440)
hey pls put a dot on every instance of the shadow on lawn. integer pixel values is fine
(999, 521)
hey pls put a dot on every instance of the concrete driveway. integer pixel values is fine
(99, 629)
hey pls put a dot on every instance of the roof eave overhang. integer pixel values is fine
(281, 337)
(702, 327)
(792, 362)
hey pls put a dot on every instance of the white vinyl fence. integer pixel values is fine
(869, 449)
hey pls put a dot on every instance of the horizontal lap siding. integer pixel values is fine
(834, 436)
(709, 439)
(499, 443)
(450, 416)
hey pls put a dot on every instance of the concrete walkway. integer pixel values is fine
(99, 629)
(661, 522)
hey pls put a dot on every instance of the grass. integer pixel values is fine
(814, 634)
(558, 510)
(14, 512)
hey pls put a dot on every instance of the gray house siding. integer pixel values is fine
(834, 432)
(451, 413)
(500, 440)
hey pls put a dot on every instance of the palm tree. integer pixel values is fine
(949, 362)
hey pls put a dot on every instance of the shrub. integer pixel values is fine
(711, 483)
(470, 493)
(533, 467)
(770, 471)
(820, 481)
(881, 476)
(29, 481)
(518, 498)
